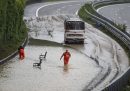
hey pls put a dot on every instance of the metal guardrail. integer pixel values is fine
(14, 53)
(108, 2)
(119, 83)
(123, 37)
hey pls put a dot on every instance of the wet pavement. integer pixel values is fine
(119, 13)
(20, 75)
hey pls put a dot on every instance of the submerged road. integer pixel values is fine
(20, 75)
(109, 72)
(83, 72)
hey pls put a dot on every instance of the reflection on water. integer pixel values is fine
(66, 68)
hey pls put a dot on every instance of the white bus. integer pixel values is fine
(74, 31)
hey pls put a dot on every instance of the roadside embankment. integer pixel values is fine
(89, 14)
(13, 30)
(91, 10)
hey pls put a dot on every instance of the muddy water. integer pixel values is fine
(20, 75)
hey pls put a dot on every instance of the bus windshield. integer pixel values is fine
(75, 25)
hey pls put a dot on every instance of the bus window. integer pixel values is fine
(75, 25)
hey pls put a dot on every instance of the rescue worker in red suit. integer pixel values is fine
(21, 52)
(67, 56)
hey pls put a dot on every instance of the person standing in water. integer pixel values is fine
(67, 56)
(21, 52)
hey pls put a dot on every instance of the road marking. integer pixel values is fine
(101, 8)
(51, 4)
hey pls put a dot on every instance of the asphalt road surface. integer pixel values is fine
(119, 13)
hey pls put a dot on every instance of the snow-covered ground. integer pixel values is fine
(105, 52)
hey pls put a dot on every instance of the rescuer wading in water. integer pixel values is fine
(67, 56)
(21, 52)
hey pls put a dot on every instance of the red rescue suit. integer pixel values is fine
(21, 53)
(67, 56)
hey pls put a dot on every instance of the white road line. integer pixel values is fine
(102, 7)
(51, 4)
(109, 6)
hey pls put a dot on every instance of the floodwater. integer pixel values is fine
(97, 46)
(119, 13)
(20, 75)
(82, 71)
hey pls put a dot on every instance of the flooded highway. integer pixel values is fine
(92, 65)
(20, 75)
